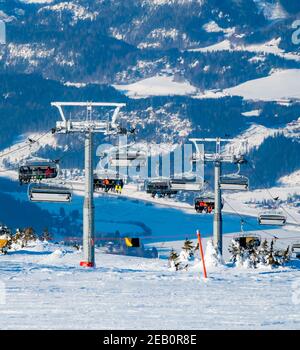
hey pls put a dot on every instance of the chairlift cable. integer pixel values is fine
(269, 192)
(25, 146)
(248, 223)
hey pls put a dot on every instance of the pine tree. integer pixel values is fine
(188, 245)
(282, 256)
(188, 250)
(29, 235)
(46, 235)
(246, 256)
(270, 257)
(235, 250)
(263, 252)
(286, 255)
(174, 262)
(252, 255)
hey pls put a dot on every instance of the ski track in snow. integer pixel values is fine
(47, 290)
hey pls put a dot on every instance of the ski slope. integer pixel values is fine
(280, 85)
(44, 288)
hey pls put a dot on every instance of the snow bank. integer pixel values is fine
(54, 257)
(211, 257)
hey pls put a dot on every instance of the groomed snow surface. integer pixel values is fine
(44, 288)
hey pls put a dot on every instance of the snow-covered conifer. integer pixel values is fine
(187, 253)
(174, 261)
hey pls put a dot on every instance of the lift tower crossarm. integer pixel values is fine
(88, 125)
(218, 155)
(84, 104)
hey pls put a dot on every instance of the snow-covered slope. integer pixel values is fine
(270, 47)
(291, 180)
(23, 147)
(254, 136)
(44, 288)
(281, 85)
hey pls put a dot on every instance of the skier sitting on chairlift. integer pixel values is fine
(106, 185)
(202, 206)
(48, 172)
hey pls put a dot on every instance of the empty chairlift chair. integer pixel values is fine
(234, 182)
(37, 171)
(296, 250)
(186, 184)
(160, 187)
(49, 194)
(128, 159)
(272, 217)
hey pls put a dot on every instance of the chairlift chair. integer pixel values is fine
(161, 187)
(107, 182)
(296, 250)
(234, 182)
(49, 194)
(247, 240)
(37, 170)
(128, 159)
(206, 203)
(187, 184)
(272, 217)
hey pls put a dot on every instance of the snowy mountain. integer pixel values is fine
(201, 65)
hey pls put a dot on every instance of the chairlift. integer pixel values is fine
(37, 170)
(247, 241)
(234, 182)
(128, 159)
(272, 217)
(187, 184)
(296, 250)
(206, 203)
(160, 186)
(132, 242)
(49, 194)
(107, 182)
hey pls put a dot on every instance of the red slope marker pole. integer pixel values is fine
(201, 253)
